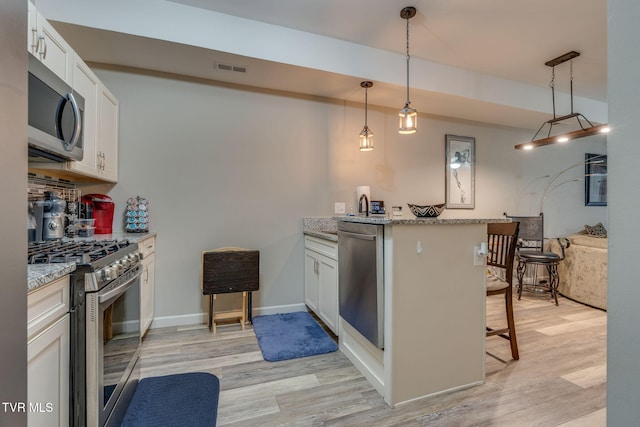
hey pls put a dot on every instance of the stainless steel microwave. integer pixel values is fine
(56, 115)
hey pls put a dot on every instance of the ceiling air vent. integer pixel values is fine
(230, 67)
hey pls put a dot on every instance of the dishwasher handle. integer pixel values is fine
(357, 235)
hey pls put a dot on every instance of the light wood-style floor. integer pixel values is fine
(560, 379)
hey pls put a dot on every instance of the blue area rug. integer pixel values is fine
(174, 400)
(290, 336)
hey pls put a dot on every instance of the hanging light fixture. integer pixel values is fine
(408, 115)
(583, 131)
(366, 136)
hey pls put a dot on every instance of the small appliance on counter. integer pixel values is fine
(47, 218)
(136, 217)
(32, 224)
(100, 208)
(377, 207)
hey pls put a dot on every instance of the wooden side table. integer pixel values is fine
(230, 270)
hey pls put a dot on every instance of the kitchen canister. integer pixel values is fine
(136, 217)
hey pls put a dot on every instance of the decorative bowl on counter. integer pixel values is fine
(426, 211)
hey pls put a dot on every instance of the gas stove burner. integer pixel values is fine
(80, 252)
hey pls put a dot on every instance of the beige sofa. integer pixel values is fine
(583, 273)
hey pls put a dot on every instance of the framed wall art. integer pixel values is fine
(595, 179)
(460, 158)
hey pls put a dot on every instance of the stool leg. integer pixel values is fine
(554, 280)
(250, 312)
(210, 312)
(522, 267)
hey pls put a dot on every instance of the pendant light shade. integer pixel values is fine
(366, 136)
(408, 116)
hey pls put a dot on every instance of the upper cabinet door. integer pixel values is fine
(87, 85)
(44, 42)
(108, 135)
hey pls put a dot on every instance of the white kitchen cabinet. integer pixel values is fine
(44, 42)
(100, 118)
(100, 137)
(108, 107)
(147, 285)
(48, 355)
(87, 84)
(321, 280)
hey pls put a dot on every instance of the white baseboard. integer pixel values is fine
(202, 318)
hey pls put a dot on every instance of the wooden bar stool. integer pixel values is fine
(230, 270)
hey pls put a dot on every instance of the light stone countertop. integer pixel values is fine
(321, 227)
(326, 227)
(40, 274)
(132, 237)
(386, 220)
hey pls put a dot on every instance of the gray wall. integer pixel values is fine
(623, 344)
(13, 184)
(232, 166)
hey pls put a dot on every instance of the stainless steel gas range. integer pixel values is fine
(105, 325)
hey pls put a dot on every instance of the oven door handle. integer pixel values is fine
(114, 293)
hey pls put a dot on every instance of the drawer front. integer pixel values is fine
(47, 304)
(324, 247)
(147, 246)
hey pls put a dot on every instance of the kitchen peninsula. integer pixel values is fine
(434, 308)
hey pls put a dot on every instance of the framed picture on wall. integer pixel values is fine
(595, 179)
(460, 158)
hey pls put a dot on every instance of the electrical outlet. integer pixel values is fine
(479, 254)
(340, 208)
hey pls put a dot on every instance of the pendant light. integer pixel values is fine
(583, 131)
(366, 136)
(408, 115)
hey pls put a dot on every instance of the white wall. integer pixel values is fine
(13, 185)
(623, 296)
(231, 166)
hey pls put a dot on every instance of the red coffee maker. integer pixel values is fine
(99, 207)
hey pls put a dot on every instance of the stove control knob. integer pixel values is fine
(116, 269)
(106, 273)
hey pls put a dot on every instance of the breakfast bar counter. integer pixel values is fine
(434, 308)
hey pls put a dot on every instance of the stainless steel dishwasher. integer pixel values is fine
(360, 260)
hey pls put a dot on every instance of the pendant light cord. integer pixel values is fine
(571, 82)
(553, 90)
(408, 57)
(366, 105)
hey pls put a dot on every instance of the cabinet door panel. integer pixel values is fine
(48, 376)
(108, 135)
(87, 84)
(310, 280)
(147, 292)
(328, 293)
(54, 52)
